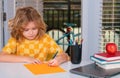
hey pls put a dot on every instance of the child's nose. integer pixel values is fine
(30, 32)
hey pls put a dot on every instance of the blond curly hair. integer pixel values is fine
(22, 18)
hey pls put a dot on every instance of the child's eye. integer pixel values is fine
(34, 28)
(26, 29)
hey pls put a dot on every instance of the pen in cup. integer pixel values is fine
(78, 42)
(55, 55)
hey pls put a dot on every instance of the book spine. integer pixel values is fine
(107, 58)
(109, 66)
(100, 61)
(97, 60)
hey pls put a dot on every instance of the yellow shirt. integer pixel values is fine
(42, 49)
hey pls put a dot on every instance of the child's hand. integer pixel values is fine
(53, 62)
(32, 60)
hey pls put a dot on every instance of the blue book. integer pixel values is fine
(101, 61)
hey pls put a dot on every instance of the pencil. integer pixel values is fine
(55, 55)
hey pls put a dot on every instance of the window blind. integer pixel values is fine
(110, 23)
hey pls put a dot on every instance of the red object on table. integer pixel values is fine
(111, 48)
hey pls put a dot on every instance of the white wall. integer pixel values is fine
(9, 10)
(91, 14)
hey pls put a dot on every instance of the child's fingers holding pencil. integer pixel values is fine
(53, 62)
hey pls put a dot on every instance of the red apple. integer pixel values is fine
(111, 48)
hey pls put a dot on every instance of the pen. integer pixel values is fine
(80, 42)
(55, 55)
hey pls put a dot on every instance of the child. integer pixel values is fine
(29, 43)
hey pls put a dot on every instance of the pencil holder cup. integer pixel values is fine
(75, 53)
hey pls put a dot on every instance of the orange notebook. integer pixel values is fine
(43, 69)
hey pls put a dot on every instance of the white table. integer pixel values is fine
(17, 70)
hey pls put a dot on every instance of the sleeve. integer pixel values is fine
(10, 47)
(53, 47)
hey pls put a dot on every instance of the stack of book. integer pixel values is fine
(107, 61)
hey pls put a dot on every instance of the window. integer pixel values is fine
(110, 23)
(57, 12)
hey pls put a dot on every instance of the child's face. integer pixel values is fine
(30, 31)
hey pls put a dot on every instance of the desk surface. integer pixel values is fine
(17, 70)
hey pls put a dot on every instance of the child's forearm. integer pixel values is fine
(14, 58)
(63, 57)
(10, 58)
